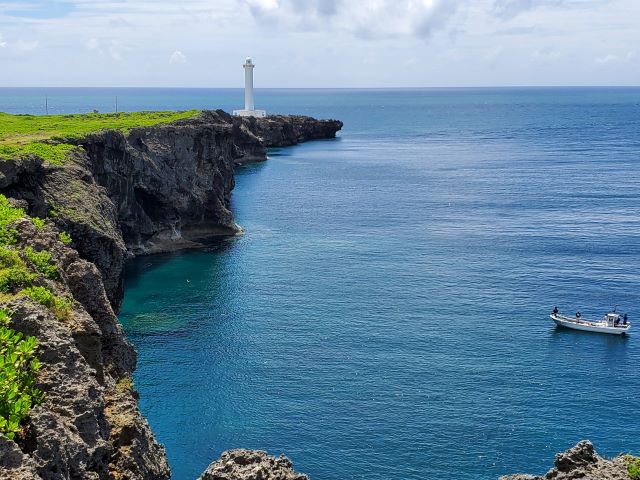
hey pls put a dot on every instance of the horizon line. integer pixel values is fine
(440, 87)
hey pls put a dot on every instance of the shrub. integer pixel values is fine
(40, 295)
(9, 258)
(18, 367)
(13, 272)
(38, 222)
(60, 307)
(65, 238)
(14, 278)
(8, 214)
(42, 262)
(633, 467)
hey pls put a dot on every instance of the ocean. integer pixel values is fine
(385, 313)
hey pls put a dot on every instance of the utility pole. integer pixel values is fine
(116, 104)
(46, 104)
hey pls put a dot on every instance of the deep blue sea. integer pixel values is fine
(385, 314)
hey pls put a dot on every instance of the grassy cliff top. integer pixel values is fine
(42, 135)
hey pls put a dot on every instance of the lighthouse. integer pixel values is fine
(249, 109)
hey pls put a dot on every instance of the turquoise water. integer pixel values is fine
(385, 315)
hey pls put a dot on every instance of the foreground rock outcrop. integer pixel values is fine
(89, 425)
(118, 195)
(251, 465)
(581, 462)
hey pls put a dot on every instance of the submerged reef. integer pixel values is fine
(79, 195)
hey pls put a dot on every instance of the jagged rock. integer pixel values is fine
(76, 432)
(251, 465)
(581, 462)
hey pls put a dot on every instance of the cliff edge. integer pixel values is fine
(150, 189)
(71, 224)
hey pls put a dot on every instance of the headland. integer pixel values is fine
(80, 195)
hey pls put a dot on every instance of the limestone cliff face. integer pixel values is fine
(152, 189)
(89, 426)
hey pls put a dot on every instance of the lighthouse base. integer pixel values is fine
(250, 113)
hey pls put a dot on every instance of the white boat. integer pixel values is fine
(611, 323)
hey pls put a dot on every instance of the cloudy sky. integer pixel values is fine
(319, 43)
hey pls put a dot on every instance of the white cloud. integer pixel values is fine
(371, 19)
(112, 48)
(508, 9)
(546, 54)
(607, 59)
(177, 57)
(323, 43)
(611, 58)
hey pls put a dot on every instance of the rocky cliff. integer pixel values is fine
(118, 195)
(89, 425)
(154, 189)
(581, 462)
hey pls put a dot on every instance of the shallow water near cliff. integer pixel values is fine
(385, 314)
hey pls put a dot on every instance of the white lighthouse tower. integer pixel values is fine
(249, 110)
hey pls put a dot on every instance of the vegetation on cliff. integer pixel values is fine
(633, 466)
(20, 271)
(48, 136)
(18, 367)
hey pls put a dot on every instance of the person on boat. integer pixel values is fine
(625, 319)
(578, 314)
(555, 310)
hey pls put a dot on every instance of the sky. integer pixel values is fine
(319, 43)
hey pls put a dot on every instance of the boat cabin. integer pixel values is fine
(612, 319)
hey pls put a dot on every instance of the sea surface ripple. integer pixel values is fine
(385, 315)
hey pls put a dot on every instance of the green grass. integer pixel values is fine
(13, 271)
(42, 262)
(47, 136)
(65, 238)
(61, 307)
(39, 223)
(8, 214)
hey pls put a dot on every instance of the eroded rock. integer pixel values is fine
(581, 462)
(76, 432)
(251, 465)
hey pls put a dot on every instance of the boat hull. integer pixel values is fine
(589, 327)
